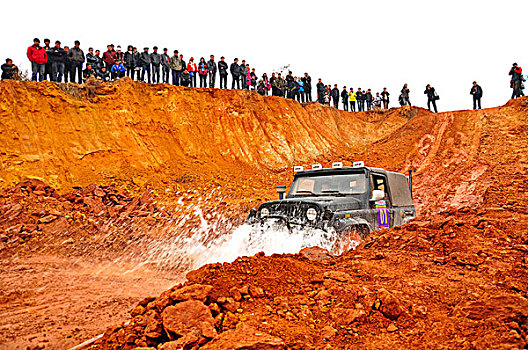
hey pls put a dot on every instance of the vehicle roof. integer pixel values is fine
(342, 170)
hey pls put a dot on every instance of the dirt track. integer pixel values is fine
(455, 277)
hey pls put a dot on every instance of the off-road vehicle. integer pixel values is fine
(352, 200)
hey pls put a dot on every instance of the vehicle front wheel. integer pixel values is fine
(349, 238)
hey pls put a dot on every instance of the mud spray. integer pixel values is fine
(184, 249)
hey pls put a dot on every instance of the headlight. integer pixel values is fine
(311, 214)
(264, 212)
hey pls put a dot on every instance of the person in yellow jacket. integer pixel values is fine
(352, 100)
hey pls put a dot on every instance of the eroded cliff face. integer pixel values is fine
(159, 154)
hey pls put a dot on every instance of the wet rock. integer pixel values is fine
(245, 337)
(188, 316)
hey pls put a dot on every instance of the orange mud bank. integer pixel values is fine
(454, 277)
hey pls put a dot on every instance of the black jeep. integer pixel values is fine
(347, 200)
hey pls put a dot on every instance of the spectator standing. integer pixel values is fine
(320, 91)
(129, 62)
(165, 65)
(48, 73)
(360, 100)
(405, 92)
(211, 68)
(307, 84)
(9, 70)
(273, 84)
(38, 58)
(137, 63)
(344, 98)
(184, 65)
(335, 96)
(119, 55)
(144, 59)
(193, 71)
(352, 100)
(516, 80)
(57, 55)
(476, 92)
(432, 96)
(385, 98)
(99, 60)
(202, 72)
(369, 99)
(261, 88)
(222, 71)
(155, 60)
(253, 77)
(109, 57)
(294, 90)
(289, 84)
(77, 60)
(91, 59)
(67, 65)
(175, 65)
(300, 82)
(267, 83)
(243, 75)
(235, 74)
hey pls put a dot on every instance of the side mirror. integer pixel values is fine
(377, 195)
(281, 190)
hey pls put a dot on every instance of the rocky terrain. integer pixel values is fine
(91, 181)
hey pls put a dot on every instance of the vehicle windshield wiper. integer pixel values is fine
(335, 192)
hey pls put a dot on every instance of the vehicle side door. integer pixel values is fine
(382, 209)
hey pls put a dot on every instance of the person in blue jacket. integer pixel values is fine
(118, 70)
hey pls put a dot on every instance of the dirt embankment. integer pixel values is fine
(452, 278)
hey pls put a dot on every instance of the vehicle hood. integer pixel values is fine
(331, 203)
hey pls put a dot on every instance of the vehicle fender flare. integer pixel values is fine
(343, 223)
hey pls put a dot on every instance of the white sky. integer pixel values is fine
(367, 44)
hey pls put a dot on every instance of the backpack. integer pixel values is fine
(436, 97)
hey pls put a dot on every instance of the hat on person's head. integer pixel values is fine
(192, 58)
(145, 48)
(37, 40)
(384, 88)
(515, 64)
(119, 47)
(155, 48)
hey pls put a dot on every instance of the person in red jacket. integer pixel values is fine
(109, 57)
(193, 71)
(38, 58)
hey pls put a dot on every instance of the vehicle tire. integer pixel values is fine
(349, 237)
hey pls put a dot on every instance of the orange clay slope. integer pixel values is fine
(453, 278)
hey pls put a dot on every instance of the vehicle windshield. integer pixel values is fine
(325, 185)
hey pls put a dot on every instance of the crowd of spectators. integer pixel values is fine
(65, 64)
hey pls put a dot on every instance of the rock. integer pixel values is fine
(337, 276)
(154, 325)
(198, 292)
(256, 292)
(188, 316)
(316, 254)
(235, 293)
(182, 343)
(229, 321)
(502, 307)
(347, 316)
(231, 305)
(245, 337)
(328, 332)
(138, 310)
(47, 219)
(388, 304)
(392, 328)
